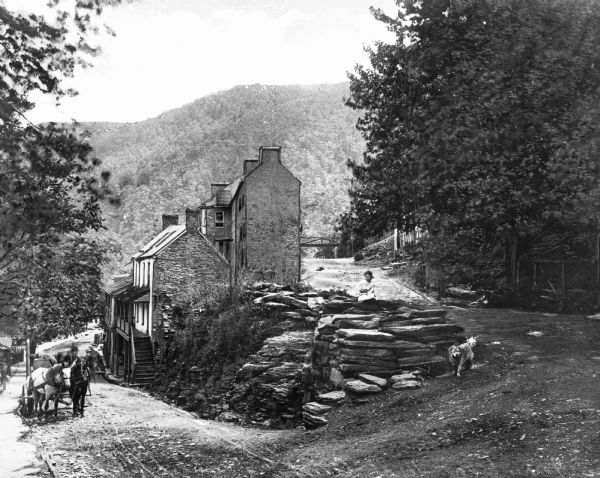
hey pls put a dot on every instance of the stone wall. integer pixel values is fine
(384, 339)
(273, 219)
(190, 264)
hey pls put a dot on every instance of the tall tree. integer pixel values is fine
(480, 123)
(48, 183)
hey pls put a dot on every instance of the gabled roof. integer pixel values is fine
(225, 195)
(117, 283)
(162, 240)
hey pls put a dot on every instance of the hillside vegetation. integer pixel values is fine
(165, 164)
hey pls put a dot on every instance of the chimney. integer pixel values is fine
(250, 165)
(192, 219)
(169, 220)
(216, 187)
(269, 154)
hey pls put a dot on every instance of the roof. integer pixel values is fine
(132, 292)
(117, 283)
(225, 195)
(162, 240)
(144, 298)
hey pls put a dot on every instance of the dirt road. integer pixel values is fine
(325, 274)
(530, 407)
(127, 433)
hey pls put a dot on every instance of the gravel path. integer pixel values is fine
(345, 274)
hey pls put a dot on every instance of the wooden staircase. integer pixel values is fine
(144, 368)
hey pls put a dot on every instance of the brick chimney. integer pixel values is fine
(169, 220)
(192, 219)
(269, 154)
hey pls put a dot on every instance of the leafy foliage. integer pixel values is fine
(48, 182)
(481, 127)
(64, 291)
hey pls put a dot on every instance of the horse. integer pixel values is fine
(80, 380)
(46, 384)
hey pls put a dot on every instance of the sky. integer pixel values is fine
(170, 52)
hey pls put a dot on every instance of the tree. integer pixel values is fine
(48, 181)
(64, 291)
(480, 123)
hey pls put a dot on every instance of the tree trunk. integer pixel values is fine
(511, 250)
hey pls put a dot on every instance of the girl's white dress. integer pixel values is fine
(365, 291)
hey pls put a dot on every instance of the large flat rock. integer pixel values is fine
(359, 387)
(332, 398)
(380, 382)
(392, 345)
(316, 408)
(416, 332)
(365, 334)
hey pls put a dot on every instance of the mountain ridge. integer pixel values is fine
(166, 163)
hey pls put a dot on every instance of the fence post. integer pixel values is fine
(395, 240)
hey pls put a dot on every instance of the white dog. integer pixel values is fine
(461, 356)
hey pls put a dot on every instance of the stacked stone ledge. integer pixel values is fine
(334, 344)
(364, 349)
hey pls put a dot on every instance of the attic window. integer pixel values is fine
(219, 219)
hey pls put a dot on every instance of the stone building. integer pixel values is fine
(176, 262)
(254, 220)
(248, 226)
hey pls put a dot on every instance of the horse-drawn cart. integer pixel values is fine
(29, 389)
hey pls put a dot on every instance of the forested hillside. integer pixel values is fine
(167, 163)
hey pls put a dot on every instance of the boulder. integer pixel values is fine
(380, 382)
(313, 421)
(406, 385)
(406, 376)
(315, 303)
(316, 408)
(359, 387)
(332, 398)
(365, 334)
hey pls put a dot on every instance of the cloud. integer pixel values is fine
(164, 57)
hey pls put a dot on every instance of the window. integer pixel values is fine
(241, 202)
(219, 219)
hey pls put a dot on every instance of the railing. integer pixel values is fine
(319, 241)
(123, 325)
(133, 360)
(404, 239)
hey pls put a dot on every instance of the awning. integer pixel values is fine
(144, 298)
(132, 293)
